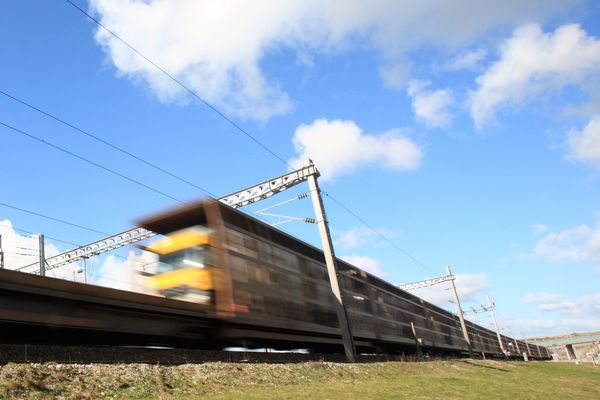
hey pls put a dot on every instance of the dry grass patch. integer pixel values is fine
(458, 379)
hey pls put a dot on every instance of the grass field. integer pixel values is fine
(456, 379)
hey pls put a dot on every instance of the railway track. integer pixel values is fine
(36, 353)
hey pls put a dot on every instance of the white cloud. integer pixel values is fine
(394, 76)
(20, 250)
(549, 301)
(339, 147)
(353, 237)
(359, 235)
(365, 263)
(535, 327)
(432, 107)
(532, 62)
(539, 228)
(577, 244)
(212, 47)
(216, 48)
(468, 286)
(585, 145)
(305, 58)
(469, 60)
(568, 314)
(122, 273)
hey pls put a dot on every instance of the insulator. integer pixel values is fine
(302, 196)
(310, 220)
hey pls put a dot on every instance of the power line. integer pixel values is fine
(90, 162)
(25, 248)
(62, 221)
(105, 142)
(45, 236)
(21, 254)
(178, 82)
(232, 123)
(377, 233)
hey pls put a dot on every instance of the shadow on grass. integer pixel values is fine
(484, 366)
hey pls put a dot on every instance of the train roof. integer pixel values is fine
(177, 219)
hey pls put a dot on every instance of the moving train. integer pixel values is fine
(272, 290)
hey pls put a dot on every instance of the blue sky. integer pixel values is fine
(468, 135)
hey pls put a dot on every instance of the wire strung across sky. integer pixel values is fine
(178, 82)
(45, 236)
(109, 144)
(62, 221)
(377, 232)
(87, 160)
(105, 142)
(206, 103)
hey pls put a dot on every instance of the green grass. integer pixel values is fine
(457, 379)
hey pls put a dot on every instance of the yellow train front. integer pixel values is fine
(184, 268)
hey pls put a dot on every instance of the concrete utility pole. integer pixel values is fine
(526, 342)
(460, 313)
(526, 345)
(491, 305)
(417, 342)
(42, 257)
(1, 254)
(85, 270)
(334, 280)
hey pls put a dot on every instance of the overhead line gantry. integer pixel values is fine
(436, 281)
(237, 199)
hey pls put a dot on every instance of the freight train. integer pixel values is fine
(270, 289)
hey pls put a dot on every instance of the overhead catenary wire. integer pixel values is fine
(377, 232)
(62, 221)
(20, 254)
(181, 84)
(104, 141)
(25, 248)
(233, 123)
(87, 160)
(45, 236)
(107, 143)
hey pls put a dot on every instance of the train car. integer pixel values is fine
(271, 289)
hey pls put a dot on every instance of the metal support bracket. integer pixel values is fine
(93, 249)
(479, 310)
(269, 188)
(425, 283)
